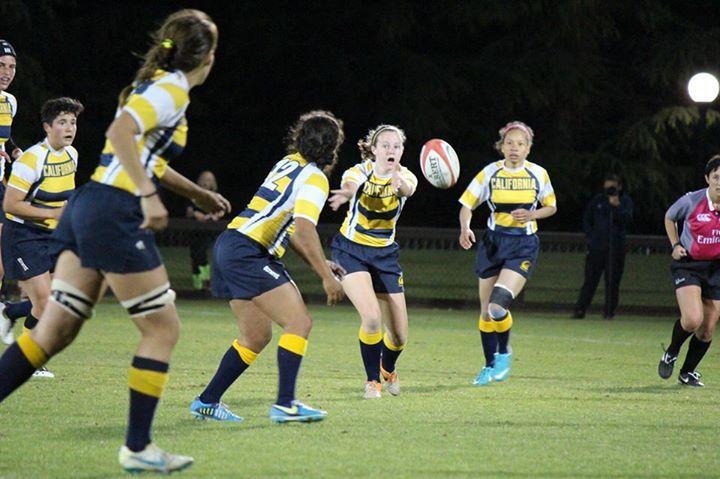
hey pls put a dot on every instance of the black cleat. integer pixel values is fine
(691, 378)
(666, 365)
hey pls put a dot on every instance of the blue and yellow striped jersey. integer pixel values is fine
(158, 107)
(293, 189)
(8, 109)
(506, 190)
(375, 208)
(46, 176)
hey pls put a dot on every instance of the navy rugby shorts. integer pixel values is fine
(497, 251)
(243, 269)
(27, 251)
(383, 263)
(101, 225)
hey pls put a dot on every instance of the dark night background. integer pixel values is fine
(602, 83)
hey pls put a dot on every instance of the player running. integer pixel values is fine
(107, 229)
(696, 273)
(507, 251)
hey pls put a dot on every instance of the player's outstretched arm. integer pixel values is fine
(306, 243)
(210, 201)
(342, 196)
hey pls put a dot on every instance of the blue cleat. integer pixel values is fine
(486, 376)
(502, 366)
(215, 411)
(298, 412)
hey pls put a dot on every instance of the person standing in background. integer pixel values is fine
(605, 225)
(201, 240)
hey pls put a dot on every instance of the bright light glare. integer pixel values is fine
(703, 88)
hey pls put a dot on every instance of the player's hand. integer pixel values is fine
(16, 153)
(614, 200)
(467, 238)
(333, 290)
(339, 198)
(522, 215)
(155, 216)
(397, 180)
(679, 252)
(213, 202)
(57, 212)
(5, 156)
(336, 269)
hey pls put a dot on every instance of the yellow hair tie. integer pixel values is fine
(167, 43)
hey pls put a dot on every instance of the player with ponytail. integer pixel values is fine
(106, 232)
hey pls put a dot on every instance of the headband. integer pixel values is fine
(517, 125)
(381, 129)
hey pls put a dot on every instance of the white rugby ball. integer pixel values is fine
(439, 163)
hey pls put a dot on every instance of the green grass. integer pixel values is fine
(440, 274)
(584, 401)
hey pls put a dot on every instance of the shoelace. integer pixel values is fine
(667, 358)
(694, 374)
(222, 411)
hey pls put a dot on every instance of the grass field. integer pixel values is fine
(584, 401)
(450, 275)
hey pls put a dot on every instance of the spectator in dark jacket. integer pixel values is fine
(605, 224)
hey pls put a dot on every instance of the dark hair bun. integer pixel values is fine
(317, 135)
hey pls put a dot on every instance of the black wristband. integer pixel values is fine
(149, 194)
(675, 245)
(10, 147)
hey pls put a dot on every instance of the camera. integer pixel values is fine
(611, 191)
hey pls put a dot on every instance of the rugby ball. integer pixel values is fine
(439, 164)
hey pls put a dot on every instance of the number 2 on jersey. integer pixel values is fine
(278, 176)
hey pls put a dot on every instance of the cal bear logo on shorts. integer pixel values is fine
(525, 266)
(401, 281)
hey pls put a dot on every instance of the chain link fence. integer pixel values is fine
(438, 273)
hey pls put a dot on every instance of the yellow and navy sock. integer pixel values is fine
(235, 361)
(489, 339)
(371, 350)
(502, 328)
(291, 349)
(15, 311)
(147, 380)
(18, 363)
(390, 354)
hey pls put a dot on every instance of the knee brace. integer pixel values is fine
(149, 302)
(500, 300)
(71, 299)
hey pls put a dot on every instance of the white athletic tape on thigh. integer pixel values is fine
(71, 299)
(150, 302)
